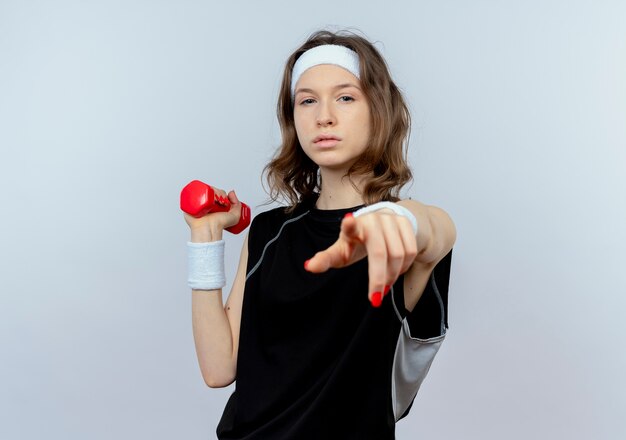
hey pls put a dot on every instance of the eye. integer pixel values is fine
(306, 101)
(349, 98)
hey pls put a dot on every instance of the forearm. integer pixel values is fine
(213, 338)
(211, 328)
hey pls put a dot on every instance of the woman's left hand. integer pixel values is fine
(388, 241)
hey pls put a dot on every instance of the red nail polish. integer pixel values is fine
(348, 215)
(306, 263)
(377, 299)
(386, 290)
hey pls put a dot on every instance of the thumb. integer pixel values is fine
(233, 197)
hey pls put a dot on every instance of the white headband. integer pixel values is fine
(325, 54)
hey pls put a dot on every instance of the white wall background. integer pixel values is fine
(108, 108)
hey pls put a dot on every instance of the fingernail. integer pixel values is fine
(348, 215)
(377, 299)
(386, 290)
(306, 263)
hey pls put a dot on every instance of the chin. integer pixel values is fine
(334, 167)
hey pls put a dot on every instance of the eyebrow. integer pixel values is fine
(337, 87)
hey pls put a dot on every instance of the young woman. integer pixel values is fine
(339, 304)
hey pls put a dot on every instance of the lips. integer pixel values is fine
(326, 137)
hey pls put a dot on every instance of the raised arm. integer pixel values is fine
(215, 326)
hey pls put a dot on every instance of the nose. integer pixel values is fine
(325, 116)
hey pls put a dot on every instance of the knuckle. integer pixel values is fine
(379, 253)
(396, 254)
(411, 254)
(402, 219)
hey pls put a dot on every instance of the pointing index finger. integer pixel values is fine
(342, 252)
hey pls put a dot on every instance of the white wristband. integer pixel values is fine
(398, 209)
(206, 265)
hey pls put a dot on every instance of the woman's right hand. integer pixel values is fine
(211, 226)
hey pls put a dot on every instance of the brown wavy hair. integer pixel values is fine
(292, 175)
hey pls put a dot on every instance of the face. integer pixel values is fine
(329, 102)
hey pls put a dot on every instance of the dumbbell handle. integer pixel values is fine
(198, 199)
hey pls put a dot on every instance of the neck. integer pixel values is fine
(338, 191)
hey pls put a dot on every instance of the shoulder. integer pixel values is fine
(274, 217)
(270, 213)
(266, 226)
(265, 218)
(280, 212)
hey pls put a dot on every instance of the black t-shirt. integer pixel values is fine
(316, 360)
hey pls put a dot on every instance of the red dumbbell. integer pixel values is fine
(198, 199)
